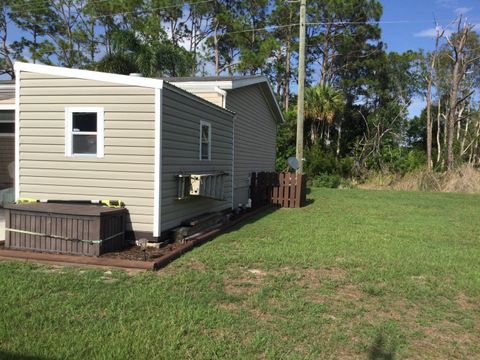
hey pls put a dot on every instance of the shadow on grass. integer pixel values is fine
(267, 211)
(12, 356)
(379, 350)
(309, 201)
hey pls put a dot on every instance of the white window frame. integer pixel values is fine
(9, 108)
(202, 124)
(69, 130)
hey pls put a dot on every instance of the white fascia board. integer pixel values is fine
(7, 106)
(17, 134)
(211, 85)
(157, 189)
(202, 85)
(89, 75)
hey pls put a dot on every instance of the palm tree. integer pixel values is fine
(146, 54)
(322, 104)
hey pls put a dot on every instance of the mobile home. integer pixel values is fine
(84, 135)
(167, 153)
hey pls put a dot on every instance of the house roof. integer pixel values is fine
(111, 78)
(229, 83)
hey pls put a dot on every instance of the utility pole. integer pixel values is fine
(301, 89)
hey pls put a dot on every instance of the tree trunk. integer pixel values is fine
(287, 76)
(458, 72)
(215, 43)
(339, 130)
(439, 131)
(464, 138)
(429, 124)
(288, 54)
(313, 133)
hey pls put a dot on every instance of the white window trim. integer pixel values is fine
(202, 124)
(69, 131)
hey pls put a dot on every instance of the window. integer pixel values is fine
(84, 132)
(205, 141)
(7, 122)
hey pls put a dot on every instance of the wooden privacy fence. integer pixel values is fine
(285, 189)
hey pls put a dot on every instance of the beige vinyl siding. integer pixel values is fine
(126, 171)
(255, 137)
(181, 118)
(213, 97)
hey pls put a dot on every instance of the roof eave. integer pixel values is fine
(89, 75)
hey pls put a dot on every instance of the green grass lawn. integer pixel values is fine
(356, 274)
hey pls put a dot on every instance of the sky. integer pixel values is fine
(410, 25)
(418, 30)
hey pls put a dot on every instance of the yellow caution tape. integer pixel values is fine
(116, 204)
(26, 201)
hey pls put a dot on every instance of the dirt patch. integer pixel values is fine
(313, 278)
(262, 315)
(241, 287)
(196, 265)
(348, 293)
(465, 303)
(257, 272)
(248, 283)
(232, 307)
(446, 340)
(352, 294)
(136, 253)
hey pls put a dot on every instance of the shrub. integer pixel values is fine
(318, 161)
(327, 181)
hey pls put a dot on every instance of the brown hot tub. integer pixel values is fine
(64, 228)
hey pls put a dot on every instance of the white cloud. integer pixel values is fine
(462, 10)
(432, 32)
(448, 3)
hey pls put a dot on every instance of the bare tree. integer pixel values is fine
(430, 79)
(460, 61)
